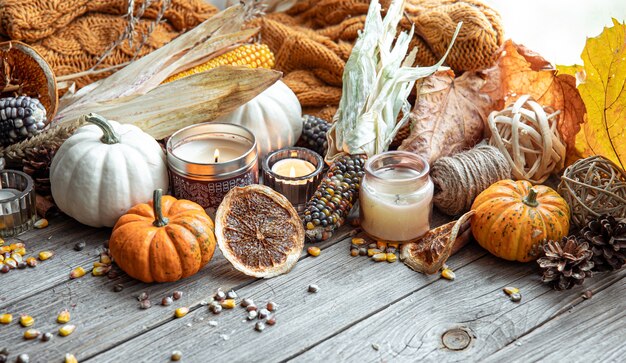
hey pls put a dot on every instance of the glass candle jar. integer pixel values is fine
(17, 203)
(396, 197)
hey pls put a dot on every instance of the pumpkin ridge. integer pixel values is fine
(73, 168)
(177, 234)
(207, 248)
(156, 256)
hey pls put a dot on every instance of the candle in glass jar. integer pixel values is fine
(396, 200)
(8, 193)
(211, 150)
(293, 168)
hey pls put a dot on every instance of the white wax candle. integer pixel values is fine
(211, 150)
(396, 211)
(293, 168)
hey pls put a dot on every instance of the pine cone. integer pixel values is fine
(36, 163)
(607, 238)
(566, 263)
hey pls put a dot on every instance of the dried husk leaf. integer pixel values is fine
(449, 115)
(430, 253)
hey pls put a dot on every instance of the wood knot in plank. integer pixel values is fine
(456, 339)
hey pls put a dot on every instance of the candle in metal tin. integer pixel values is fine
(17, 203)
(209, 159)
(294, 172)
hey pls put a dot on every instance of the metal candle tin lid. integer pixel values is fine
(200, 131)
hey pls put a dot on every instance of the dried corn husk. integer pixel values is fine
(377, 80)
(135, 95)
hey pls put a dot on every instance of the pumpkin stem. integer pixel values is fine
(159, 220)
(531, 199)
(109, 136)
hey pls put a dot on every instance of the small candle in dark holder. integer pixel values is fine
(294, 172)
(17, 203)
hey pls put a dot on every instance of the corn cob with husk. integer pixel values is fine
(377, 81)
(247, 55)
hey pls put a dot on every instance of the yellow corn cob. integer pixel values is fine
(247, 55)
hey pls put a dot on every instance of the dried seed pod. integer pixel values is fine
(46, 337)
(358, 241)
(313, 288)
(101, 270)
(77, 272)
(314, 251)
(70, 358)
(516, 297)
(391, 257)
(448, 274)
(31, 334)
(23, 358)
(182, 311)
(63, 317)
(228, 303)
(252, 315)
(379, 257)
(79, 246)
(264, 313)
(362, 251)
(259, 326)
(271, 320)
(31, 262)
(66, 330)
(251, 307)
(272, 306)
(143, 296)
(118, 287)
(5, 268)
(42, 223)
(246, 302)
(176, 355)
(176, 295)
(231, 294)
(6, 318)
(167, 301)
(44, 255)
(373, 251)
(509, 290)
(145, 304)
(26, 320)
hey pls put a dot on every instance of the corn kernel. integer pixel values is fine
(448, 274)
(391, 257)
(20, 250)
(228, 304)
(17, 245)
(509, 290)
(1, 258)
(31, 261)
(393, 244)
(63, 317)
(5, 249)
(101, 270)
(77, 272)
(42, 223)
(31, 334)
(6, 318)
(373, 251)
(26, 320)
(1, 242)
(17, 257)
(381, 245)
(106, 259)
(66, 330)
(379, 257)
(70, 358)
(314, 251)
(180, 312)
(44, 255)
(358, 241)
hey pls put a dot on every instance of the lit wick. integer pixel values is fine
(292, 172)
(216, 155)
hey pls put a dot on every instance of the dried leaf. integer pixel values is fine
(521, 71)
(449, 115)
(604, 93)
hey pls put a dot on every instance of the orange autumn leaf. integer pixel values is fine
(521, 71)
(604, 93)
(449, 115)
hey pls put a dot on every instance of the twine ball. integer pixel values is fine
(592, 187)
(527, 136)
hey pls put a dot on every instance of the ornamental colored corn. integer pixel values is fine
(70, 358)
(66, 330)
(77, 272)
(6, 318)
(26, 320)
(63, 317)
(247, 55)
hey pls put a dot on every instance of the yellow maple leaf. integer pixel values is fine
(604, 92)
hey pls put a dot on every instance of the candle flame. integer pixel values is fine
(216, 155)
(292, 172)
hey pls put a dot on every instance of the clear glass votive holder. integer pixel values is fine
(297, 189)
(17, 203)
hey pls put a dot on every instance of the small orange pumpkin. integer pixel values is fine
(513, 217)
(165, 240)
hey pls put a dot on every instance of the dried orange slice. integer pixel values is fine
(429, 253)
(23, 71)
(259, 231)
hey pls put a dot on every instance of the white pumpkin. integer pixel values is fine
(274, 117)
(104, 169)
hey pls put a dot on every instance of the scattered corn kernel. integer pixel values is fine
(393, 245)
(180, 312)
(358, 241)
(391, 257)
(5, 249)
(6, 318)
(31, 334)
(63, 317)
(20, 250)
(31, 261)
(228, 304)
(101, 270)
(354, 252)
(70, 358)
(314, 251)
(44, 255)
(373, 251)
(176, 355)
(448, 274)
(1, 258)
(77, 272)
(1, 242)
(17, 257)
(381, 245)
(509, 290)
(66, 330)
(10, 262)
(17, 245)
(42, 223)
(105, 258)
(379, 257)
(26, 320)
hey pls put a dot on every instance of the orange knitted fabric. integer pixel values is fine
(312, 41)
(72, 35)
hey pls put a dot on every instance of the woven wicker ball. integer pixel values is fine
(592, 187)
(526, 134)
